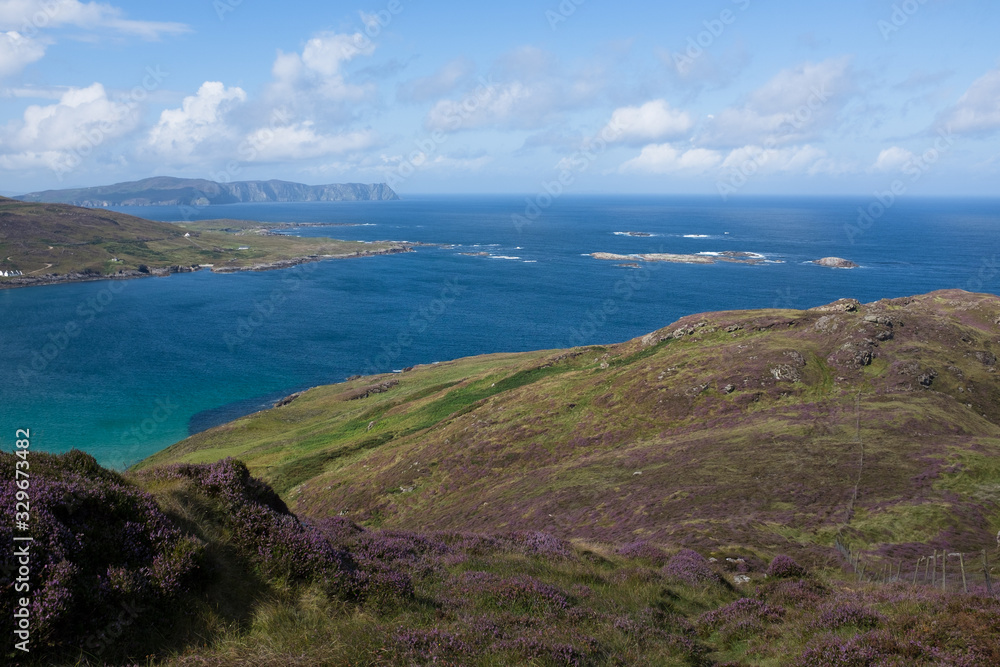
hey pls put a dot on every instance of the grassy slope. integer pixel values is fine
(475, 601)
(642, 439)
(56, 238)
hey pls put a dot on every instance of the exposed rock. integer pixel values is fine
(827, 323)
(365, 392)
(926, 379)
(786, 372)
(986, 358)
(727, 256)
(838, 306)
(288, 399)
(836, 263)
(856, 354)
(796, 357)
(878, 319)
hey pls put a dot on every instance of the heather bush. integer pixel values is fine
(100, 545)
(841, 614)
(691, 567)
(643, 550)
(273, 540)
(784, 567)
(740, 619)
(473, 544)
(535, 543)
(741, 608)
(390, 547)
(550, 653)
(434, 646)
(798, 592)
(339, 530)
(518, 594)
(868, 650)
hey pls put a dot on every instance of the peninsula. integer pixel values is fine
(42, 244)
(170, 191)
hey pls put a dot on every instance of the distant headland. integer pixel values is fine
(170, 191)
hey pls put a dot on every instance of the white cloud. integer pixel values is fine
(442, 82)
(653, 121)
(17, 52)
(307, 87)
(806, 159)
(318, 70)
(796, 104)
(892, 159)
(750, 159)
(460, 164)
(978, 110)
(35, 92)
(200, 120)
(665, 159)
(60, 135)
(300, 141)
(505, 104)
(29, 16)
(530, 92)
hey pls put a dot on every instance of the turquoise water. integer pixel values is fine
(123, 369)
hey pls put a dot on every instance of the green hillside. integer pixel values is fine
(736, 428)
(670, 500)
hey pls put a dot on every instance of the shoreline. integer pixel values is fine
(163, 272)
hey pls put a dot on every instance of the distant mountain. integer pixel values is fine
(169, 191)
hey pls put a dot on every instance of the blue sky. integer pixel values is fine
(724, 97)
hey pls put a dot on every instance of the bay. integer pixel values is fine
(152, 360)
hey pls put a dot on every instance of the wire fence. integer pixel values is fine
(975, 572)
(954, 571)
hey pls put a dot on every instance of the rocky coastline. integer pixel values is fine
(162, 272)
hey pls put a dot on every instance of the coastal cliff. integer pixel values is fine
(169, 191)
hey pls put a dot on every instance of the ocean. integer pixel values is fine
(122, 369)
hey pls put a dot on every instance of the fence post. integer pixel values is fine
(986, 573)
(944, 562)
(916, 569)
(934, 567)
(961, 562)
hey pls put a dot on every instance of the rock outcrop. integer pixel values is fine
(836, 263)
